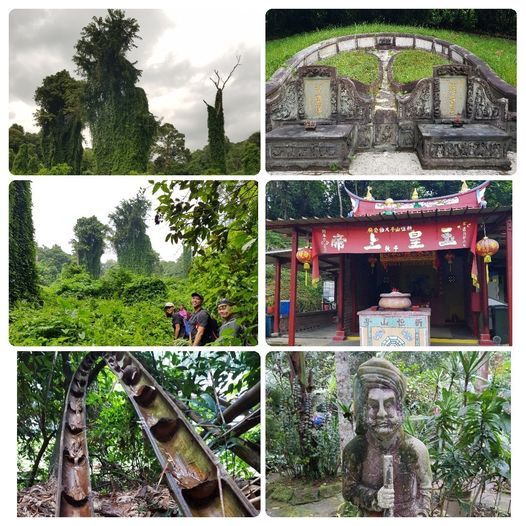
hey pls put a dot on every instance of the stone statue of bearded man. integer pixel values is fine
(379, 391)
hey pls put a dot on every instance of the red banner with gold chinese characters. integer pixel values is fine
(404, 236)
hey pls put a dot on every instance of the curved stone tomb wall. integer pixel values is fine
(452, 52)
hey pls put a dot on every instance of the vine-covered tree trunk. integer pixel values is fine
(22, 249)
(345, 397)
(302, 384)
(216, 133)
(59, 116)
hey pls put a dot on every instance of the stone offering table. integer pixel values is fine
(294, 148)
(391, 327)
(471, 146)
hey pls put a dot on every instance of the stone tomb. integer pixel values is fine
(427, 121)
(337, 113)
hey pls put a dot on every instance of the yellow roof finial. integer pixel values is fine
(369, 196)
(414, 197)
(464, 187)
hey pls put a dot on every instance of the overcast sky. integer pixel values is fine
(59, 202)
(179, 51)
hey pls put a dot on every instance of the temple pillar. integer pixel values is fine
(340, 332)
(277, 294)
(293, 289)
(484, 337)
(509, 277)
(354, 295)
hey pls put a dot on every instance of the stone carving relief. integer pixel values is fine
(418, 104)
(466, 149)
(286, 108)
(351, 104)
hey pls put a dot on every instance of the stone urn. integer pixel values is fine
(395, 300)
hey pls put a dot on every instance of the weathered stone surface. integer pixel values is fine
(281, 493)
(292, 148)
(386, 472)
(423, 44)
(404, 41)
(418, 105)
(453, 94)
(385, 129)
(347, 45)
(365, 42)
(472, 146)
(328, 51)
(317, 93)
(304, 495)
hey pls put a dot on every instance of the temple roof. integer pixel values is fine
(471, 198)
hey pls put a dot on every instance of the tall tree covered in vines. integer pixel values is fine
(122, 127)
(60, 117)
(89, 243)
(129, 239)
(23, 282)
(216, 124)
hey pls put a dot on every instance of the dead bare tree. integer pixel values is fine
(216, 122)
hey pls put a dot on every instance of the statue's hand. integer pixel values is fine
(385, 497)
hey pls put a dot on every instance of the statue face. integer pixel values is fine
(384, 417)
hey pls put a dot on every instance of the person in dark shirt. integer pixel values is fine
(199, 322)
(177, 320)
(230, 327)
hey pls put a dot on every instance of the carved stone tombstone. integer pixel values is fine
(386, 472)
(338, 119)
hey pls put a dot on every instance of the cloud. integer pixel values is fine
(179, 51)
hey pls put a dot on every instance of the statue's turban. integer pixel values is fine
(378, 372)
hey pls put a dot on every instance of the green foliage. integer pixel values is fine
(121, 125)
(88, 243)
(169, 153)
(25, 161)
(499, 53)
(242, 158)
(28, 158)
(50, 262)
(129, 238)
(40, 389)
(358, 65)
(22, 248)
(414, 64)
(218, 220)
(150, 289)
(317, 454)
(60, 118)
(57, 169)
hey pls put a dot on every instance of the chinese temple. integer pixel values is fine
(452, 255)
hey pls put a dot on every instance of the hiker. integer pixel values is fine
(203, 326)
(177, 320)
(230, 327)
(184, 314)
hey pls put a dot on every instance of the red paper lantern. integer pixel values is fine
(486, 248)
(304, 255)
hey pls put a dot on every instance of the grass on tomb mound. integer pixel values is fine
(499, 53)
(357, 65)
(415, 64)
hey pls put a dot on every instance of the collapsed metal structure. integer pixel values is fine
(199, 483)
